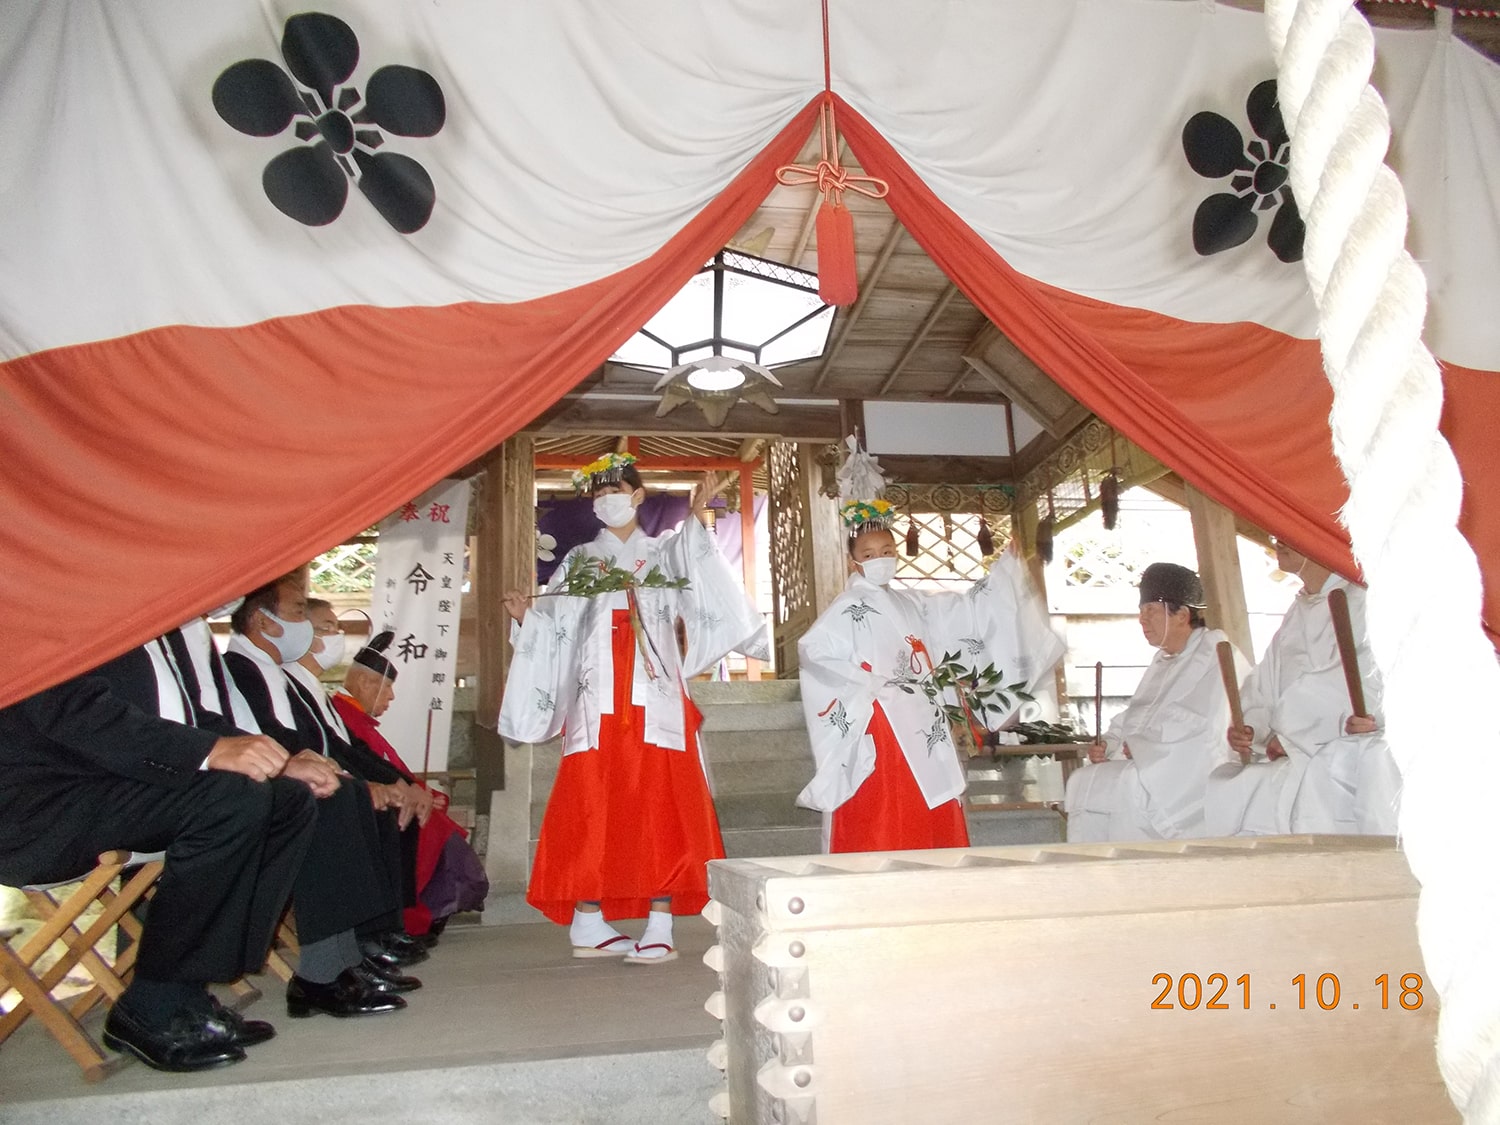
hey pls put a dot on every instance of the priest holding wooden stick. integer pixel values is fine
(1311, 755)
(1147, 774)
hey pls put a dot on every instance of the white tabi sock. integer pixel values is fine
(589, 929)
(658, 932)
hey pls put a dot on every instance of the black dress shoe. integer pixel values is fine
(190, 1041)
(350, 995)
(405, 945)
(393, 955)
(387, 980)
(240, 1031)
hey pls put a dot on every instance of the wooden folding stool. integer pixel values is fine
(61, 921)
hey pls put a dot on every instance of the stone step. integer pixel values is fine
(764, 810)
(748, 843)
(744, 691)
(785, 715)
(777, 775)
(757, 746)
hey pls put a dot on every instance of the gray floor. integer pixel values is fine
(507, 1021)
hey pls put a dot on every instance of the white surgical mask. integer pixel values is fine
(879, 571)
(333, 651)
(227, 608)
(614, 509)
(296, 638)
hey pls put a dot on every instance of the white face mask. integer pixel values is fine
(879, 571)
(227, 608)
(333, 651)
(614, 509)
(296, 638)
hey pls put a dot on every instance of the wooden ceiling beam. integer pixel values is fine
(554, 462)
(795, 422)
(866, 288)
(751, 449)
(933, 469)
(933, 314)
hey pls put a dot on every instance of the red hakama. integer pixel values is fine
(627, 821)
(888, 813)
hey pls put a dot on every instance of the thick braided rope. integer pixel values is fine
(1442, 683)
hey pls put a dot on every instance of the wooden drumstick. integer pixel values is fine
(1231, 680)
(1098, 700)
(1343, 631)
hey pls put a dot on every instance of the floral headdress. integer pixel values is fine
(860, 516)
(609, 469)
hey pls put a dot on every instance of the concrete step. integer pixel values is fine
(744, 691)
(757, 746)
(785, 715)
(764, 810)
(748, 843)
(784, 775)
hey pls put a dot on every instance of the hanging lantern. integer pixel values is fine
(1109, 499)
(1044, 531)
(1044, 539)
(985, 540)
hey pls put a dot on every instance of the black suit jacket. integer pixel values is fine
(101, 724)
(102, 721)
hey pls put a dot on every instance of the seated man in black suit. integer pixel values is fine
(271, 628)
(113, 759)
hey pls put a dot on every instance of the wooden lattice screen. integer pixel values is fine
(947, 520)
(792, 602)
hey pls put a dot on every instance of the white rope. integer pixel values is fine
(1442, 683)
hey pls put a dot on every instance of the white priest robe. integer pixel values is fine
(562, 672)
(1329, 781)
(1175, 727)
(859, 652)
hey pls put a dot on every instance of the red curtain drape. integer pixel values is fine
(1238, 410)
(151, 477)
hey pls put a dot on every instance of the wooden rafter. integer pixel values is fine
(867, 286)
(928, 322)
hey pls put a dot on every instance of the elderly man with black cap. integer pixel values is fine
(1147, 776)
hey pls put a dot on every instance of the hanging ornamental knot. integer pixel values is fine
(339, 127)
(831, 179)
(1259, 169)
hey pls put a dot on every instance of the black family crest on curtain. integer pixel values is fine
(1258, 171)
(340, 128)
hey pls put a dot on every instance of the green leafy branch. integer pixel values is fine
(980, 690)
(588, 577)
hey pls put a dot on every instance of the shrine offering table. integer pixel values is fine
(1274, 979)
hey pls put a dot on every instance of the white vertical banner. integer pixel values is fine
(419, 573)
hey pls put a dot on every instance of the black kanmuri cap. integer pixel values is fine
(1168, 582)
(373, 657)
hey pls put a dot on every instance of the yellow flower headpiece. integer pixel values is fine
(860, 516)
(606, 470)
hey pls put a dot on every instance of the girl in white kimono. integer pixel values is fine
(888, 774)
(1309, 763)
(630, 823)
(1148, 775)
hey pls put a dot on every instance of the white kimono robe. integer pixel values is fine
(1176, 727)
(562, 674)
(858, 653)
(1329, 781)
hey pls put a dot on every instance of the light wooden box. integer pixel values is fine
(1016, 985)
